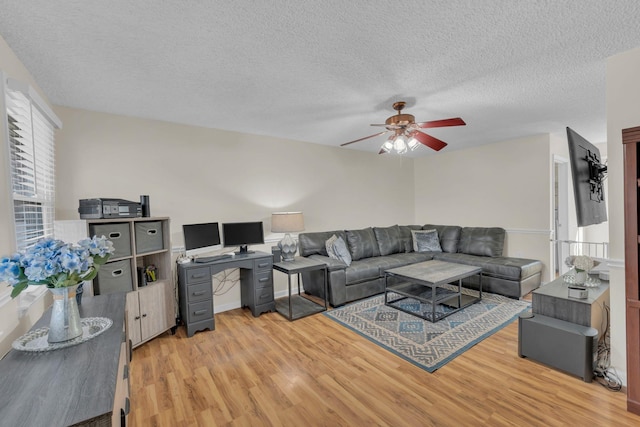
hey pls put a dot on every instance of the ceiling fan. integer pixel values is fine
(406, 132)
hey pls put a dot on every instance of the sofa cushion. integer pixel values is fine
(337, 249)
(508, 268)
(388, 239)
(373, 268)
(362, 270)
(406, 239)
(449, 236)
(315, 243)
(362, 243)
(426, 241)
(482, 241)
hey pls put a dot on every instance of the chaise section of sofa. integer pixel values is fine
(376, 249)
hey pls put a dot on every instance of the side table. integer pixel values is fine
(298, 306)
(562, 332)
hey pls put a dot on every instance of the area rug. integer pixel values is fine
(425, 344)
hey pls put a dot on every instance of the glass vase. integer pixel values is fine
(580, 277)
(65, 322)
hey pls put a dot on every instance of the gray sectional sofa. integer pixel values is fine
(376, 249)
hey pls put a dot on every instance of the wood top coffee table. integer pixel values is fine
(425, 282)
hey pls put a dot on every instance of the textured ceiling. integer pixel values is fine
(322, 71)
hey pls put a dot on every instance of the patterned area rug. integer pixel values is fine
(425, 344)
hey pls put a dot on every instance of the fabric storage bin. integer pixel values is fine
(148, 237)
(114, 277)
(118, 233)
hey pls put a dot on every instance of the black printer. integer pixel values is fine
(109, 208)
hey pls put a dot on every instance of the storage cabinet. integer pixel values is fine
(83, 385)
(139, 243)
(631, 140)
(150, 311)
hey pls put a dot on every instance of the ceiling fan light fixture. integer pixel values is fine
(406, 135)
(387, 146)
(412, 143)
(399, 145)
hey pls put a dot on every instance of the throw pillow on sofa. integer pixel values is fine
(426, 241)
(329, 245)
(337, 249)
(449, 236)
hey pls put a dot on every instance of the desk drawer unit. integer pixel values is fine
(196, 299)
(257, 287)
(198, 275)
(199, 292)
(200, 311)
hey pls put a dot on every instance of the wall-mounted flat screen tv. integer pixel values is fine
(587, 174)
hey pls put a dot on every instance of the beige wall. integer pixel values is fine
(10, 326)
(623, 111)
(196, 174)
(505, 184)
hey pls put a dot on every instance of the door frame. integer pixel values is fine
(560, 212)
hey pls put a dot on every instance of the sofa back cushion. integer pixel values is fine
(482, 241)
(406, 239)
(362, 243)
(388, 239)
(315, 243)
(449, 236)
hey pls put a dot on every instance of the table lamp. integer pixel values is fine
(287, 222)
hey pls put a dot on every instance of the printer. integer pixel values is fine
(109, 208)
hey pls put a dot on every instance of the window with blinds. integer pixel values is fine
(30, 126)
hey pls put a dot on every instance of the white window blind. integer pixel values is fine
(30, 126)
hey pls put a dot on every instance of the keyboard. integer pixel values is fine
(211, 258)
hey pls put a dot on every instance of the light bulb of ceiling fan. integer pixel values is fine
(412, 143)
(387, 146)
(399, 145)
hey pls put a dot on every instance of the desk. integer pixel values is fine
(299, 306)
(196, 288)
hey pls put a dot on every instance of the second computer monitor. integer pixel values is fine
(242, 234)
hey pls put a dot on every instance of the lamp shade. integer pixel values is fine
(287, 222)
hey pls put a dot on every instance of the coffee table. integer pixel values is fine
(425, 282)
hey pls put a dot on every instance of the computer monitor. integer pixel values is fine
(243, 234)
(201, 238)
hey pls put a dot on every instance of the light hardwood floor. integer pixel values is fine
(314, 372)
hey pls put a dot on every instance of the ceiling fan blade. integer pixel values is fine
(429, 141)
(442, 123)
(366, 137)
(381, 151)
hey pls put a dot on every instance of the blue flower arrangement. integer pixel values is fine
(55, 263)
